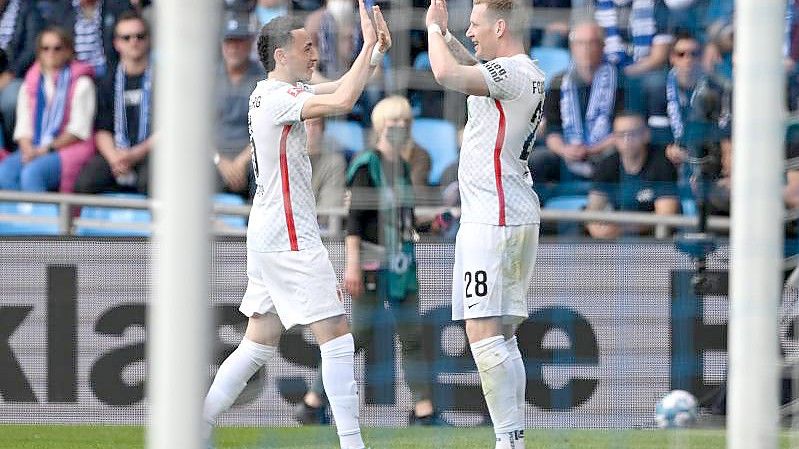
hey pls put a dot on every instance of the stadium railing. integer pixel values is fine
(67, 220)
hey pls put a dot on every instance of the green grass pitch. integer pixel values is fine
(132, 437)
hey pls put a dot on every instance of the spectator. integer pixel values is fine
(648, 30)
(124, 122)
(92, 24)
(236, 79)
(55, 114)
(667, 105)
(332, 30)
(328, 167)
(266, 10)
(579, 110)
(791, 192)
(380, 257)
(637, 178)
(20, 24)
(396, 109)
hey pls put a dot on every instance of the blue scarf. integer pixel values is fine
(676, 106)
(329, 64)
(607, 17)
(643, 27)
(121, 137)
(8, 23)
(49, 116)
(595, 126)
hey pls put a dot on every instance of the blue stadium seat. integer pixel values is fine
(348, 134)
(117, 215)
(422, 61)
(29, 210)
(551, 60)
(567, 202)
(234, 221)
(439, 138)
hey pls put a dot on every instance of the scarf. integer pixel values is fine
(607, 17)
(121, 137)
(595, 126)
(642, 26)
(329, 64)
(8, 23)
(89, 39)
(49, 116)
(676, 105)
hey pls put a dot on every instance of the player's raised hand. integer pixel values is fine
(383, 33)
(437, 14)
(367, 27)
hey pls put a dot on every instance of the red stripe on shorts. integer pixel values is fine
(498, 162)
(284, 176)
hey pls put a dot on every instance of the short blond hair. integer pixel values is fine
(393, 107)
(511, 11)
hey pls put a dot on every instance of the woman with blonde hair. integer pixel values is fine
(394, 110)
(380, 262)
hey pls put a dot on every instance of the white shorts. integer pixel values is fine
(298, 286)
(492, 272)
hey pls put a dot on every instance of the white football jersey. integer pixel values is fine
(283, 215)
(495, 183)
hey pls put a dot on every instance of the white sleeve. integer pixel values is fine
(24, 125)
(82, 109)
(504, 80)
(286, 104)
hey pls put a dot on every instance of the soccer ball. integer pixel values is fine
(676, 409)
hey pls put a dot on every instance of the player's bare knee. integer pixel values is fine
(264, 329)
(481, 328)
(330, 328)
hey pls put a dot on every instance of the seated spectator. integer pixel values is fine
(649, 37)
(579, 109)
(667, 105)
(92, 24)
(636, 178)
(236, 79)
(328, 168)
(791, 191)
(395, 112)
(20, 24)
(55, 114)
(124, 121)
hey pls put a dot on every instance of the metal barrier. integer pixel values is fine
(67, 222)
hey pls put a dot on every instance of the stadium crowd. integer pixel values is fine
(637, 91)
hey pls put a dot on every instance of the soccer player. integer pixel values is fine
(497, 241)
(290, 277)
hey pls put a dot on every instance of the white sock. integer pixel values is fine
(521, 380)
(232, 377)
(498, 378)
(510, 440)
(338, 377)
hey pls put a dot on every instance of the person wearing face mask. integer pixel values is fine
(380, 257)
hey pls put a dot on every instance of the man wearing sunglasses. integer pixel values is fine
(636, 178)
(124, 119)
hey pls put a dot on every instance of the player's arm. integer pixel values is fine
(461, 54)
(447, 70)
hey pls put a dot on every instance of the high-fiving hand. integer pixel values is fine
(367, 27)
(437, 14)
(383, 33)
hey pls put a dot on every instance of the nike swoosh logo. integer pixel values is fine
(472, 305)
